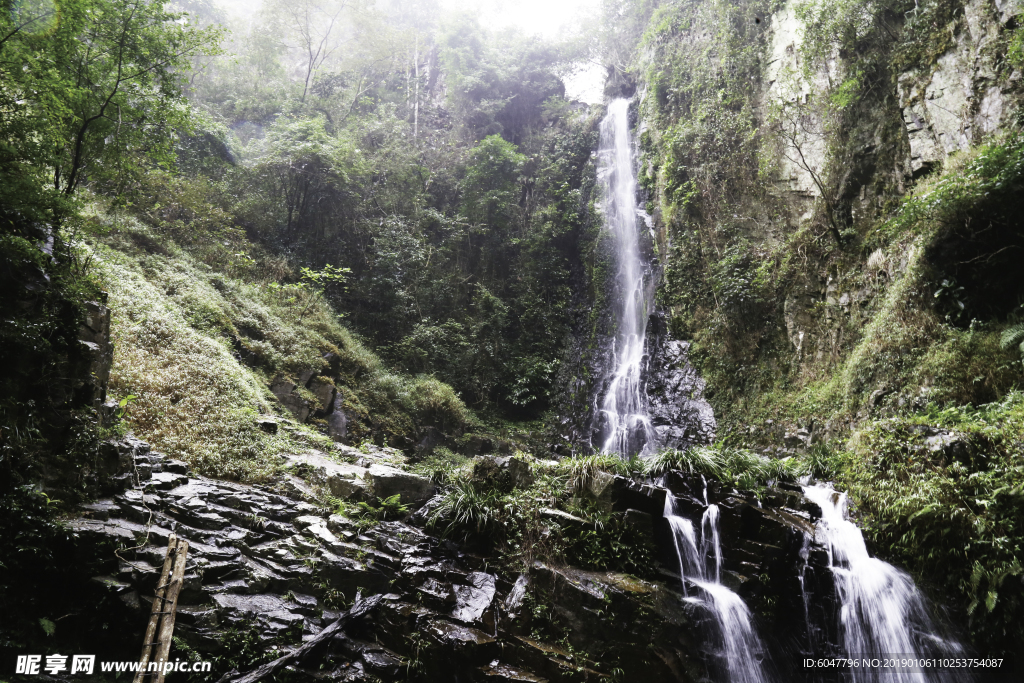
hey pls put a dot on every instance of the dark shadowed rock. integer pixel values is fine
(337, 421)
(676, 406)
(501, 473)
(641, 522)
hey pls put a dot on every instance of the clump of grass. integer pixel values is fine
(442, 466)
(822, 462)
(467, 510)
(581, 470)
(696, 460)
(741, 468)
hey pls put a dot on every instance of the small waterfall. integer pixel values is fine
(882, 613)
(741, 648)
(628, 428)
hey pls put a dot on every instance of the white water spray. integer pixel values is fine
(882, 612)
(741, 648)
(629, 428)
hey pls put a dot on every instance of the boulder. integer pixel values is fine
(949, 447)
(600, 488)
(504, 474)
(325, 393)
(801, 438)
(473, 598)
(284, 390)
(430, 437)
(344, 481)
(412, 489)
(641, 522)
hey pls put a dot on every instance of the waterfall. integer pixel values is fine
(882, 613)
(628, 428)
(741, 648)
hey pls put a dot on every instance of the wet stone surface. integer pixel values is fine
(282, 568)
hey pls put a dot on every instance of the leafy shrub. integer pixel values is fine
(1013, 336)
(434, 402)
(952, 517)
(386, 508)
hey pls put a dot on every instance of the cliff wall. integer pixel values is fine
(837, 191)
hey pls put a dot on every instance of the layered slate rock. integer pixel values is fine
(279, 567)
(270, 562)
(676, 406)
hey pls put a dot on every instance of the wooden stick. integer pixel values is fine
(171, 601)
(359, 609)
(158, 608)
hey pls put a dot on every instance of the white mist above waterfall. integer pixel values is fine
(628, 428)
(882, 612)
(701, 565)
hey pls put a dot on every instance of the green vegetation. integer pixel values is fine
(236, 228)
(386, 210)
(548, 521)
(736, 467)
(951, 511)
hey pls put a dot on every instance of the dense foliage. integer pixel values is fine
(459, 218)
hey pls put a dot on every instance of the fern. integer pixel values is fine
(1013, 336)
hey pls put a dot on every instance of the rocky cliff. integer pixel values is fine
(836, 190)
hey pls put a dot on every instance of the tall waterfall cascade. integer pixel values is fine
(700, 563)
(882, 613)
(628, 427)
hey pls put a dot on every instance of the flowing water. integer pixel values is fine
(628, 428)
(701, 565)
(882, 612)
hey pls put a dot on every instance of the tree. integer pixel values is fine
(95, 88)
(794, 128)
(311, 23)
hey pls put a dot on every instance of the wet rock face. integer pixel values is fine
(269, 561)
(276, 565)
(94, 336)
(676, 406)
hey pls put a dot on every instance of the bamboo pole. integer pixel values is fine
(170, 606)
(157, 610)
